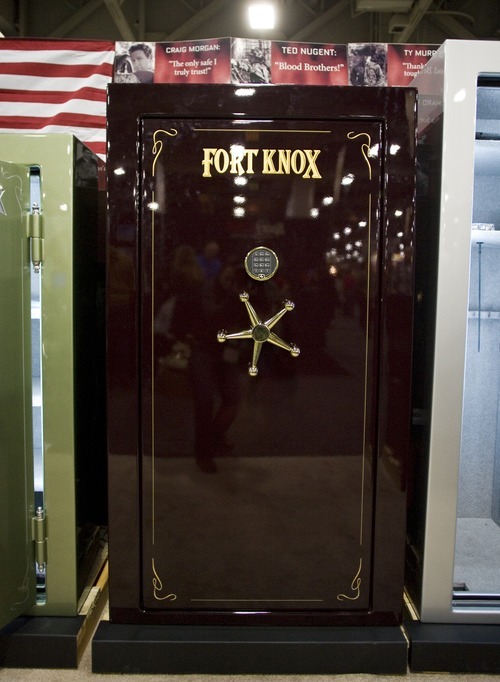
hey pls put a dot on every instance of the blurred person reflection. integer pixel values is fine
(198, 310)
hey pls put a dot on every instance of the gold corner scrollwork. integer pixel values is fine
(355, 586)
(365, 148)
(157, 583)
(158, 143)
(158, 586)
(159, 591)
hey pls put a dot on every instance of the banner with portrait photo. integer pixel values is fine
(250, 61)
(134, 62)
(367, 63)
(256, 61)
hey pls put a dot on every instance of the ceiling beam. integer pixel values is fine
(415, 17)
(451, 27)
(141, 27)
(118, 17)
(322, 19)
(185, 30)
(76, 19)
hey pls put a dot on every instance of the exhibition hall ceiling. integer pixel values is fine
(331, 21)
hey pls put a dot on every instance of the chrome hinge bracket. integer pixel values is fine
(39, 535)
(35, 235)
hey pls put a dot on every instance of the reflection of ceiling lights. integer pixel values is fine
(347, 179)
(237, 150)
(240, 180)
(244, 92)
(239, 212)
(261, 15)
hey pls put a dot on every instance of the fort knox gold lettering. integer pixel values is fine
(271, 161)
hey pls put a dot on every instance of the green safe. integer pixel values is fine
(52, 387)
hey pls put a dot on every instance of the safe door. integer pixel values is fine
(17, 587)
(262, 344)
(66, 358)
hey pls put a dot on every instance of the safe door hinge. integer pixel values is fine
(39, 535)
(35, 235)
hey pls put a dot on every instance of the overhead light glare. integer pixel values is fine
(347, 179)
(261, 15)
(244, 92)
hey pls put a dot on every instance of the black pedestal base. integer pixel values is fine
(41, 642)
(454, 648)
(237, 650)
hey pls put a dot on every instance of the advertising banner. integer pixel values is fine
(405, 61)
(308, 63)
(263, 62)
(193, 61)
(189, 61)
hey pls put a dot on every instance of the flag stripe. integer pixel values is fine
(83, 47)
(45, 110)
(98, 148)
(51, 85)
(73, 57)
(54, 97)
(71, 120)
(90, 133)
(54, 70)
(54, 44)
(27, 82)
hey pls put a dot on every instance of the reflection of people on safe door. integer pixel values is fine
(195, 309)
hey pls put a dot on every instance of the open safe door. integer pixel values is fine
(17, 565)
(259, 326)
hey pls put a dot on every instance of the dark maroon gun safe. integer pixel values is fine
(259, 309)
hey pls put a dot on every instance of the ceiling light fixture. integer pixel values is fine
(261, 15)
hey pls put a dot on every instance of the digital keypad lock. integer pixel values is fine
(261, 263)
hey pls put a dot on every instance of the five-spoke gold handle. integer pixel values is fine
(260, 332)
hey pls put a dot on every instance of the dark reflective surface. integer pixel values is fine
(288, 497)
(258, 494)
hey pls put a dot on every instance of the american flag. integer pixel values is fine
(52, 86)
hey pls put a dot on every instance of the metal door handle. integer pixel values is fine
(260, 332)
